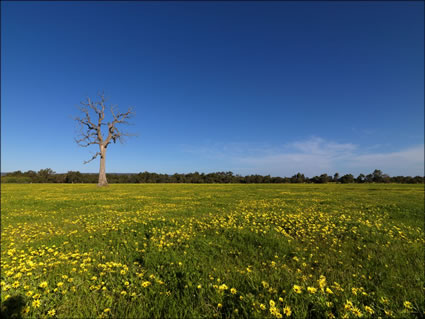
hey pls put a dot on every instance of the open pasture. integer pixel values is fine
(204, 251)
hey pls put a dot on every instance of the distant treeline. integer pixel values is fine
(49, 176)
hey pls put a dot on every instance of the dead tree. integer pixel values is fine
(91, 130)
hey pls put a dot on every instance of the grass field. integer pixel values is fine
(203, 251)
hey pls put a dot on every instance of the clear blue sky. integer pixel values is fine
(252, 87)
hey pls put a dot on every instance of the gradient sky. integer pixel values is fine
(252, 87)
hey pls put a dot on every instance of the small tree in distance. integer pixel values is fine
(91, 130)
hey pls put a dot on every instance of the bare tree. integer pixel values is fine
(91, 131)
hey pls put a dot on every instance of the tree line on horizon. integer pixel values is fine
(49, 176)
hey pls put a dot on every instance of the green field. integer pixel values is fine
(203, 251)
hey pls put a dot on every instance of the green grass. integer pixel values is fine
(176, 250)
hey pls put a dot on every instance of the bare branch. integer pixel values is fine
(86, 140)
(94, 156)
(86, 120)
(113, 133)
(102, 101)
(88, 130)
(83, 123)
(121, 117)
(101, 112)
(93, 105)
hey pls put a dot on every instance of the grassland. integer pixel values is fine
(204, 251)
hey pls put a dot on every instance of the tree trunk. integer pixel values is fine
(102, 171)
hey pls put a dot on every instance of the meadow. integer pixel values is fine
(212, 251)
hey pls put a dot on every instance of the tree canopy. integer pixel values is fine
(49, 176)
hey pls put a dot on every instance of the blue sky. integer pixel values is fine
(252, 87)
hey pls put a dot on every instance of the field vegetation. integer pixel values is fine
(205, 251)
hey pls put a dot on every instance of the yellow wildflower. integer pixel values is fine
(287, 311)
(322, 282)
(369, 310)
(311, 290)
(223, 287)
(388, 312)
(407, 305)
(356, 311)
(297, 289)
(43, 284)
